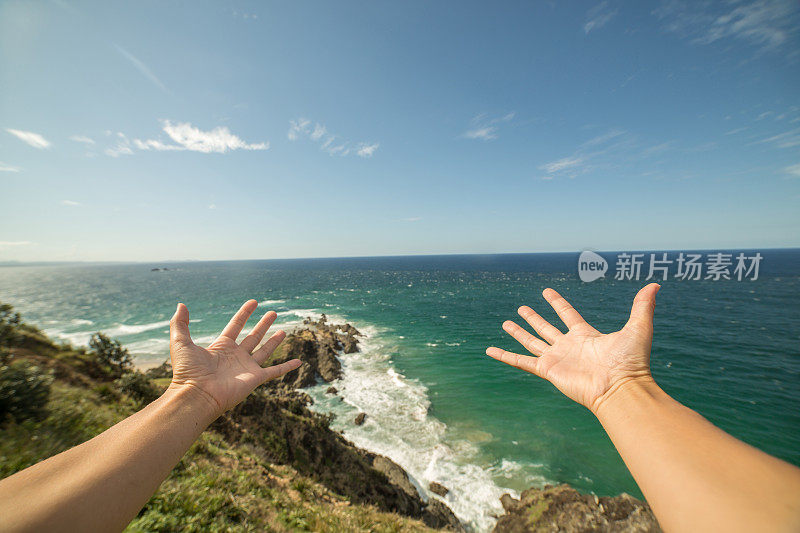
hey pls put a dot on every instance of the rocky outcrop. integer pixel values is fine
(564, 509)
(360, 418)
(438, 488)
(318, 345)
(438, 514)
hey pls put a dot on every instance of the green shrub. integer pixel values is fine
(9, 322)
(109, 352)
(24, 390)
(137, 386)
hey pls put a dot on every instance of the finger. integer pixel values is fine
(644, 306)
(238, 321)
(545, 329)
(523, 362)
(272, 372)
(179, 326)
(532, 344)
(563, 309)
(251, 341)
(263, 353)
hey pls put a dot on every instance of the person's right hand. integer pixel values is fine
(586, 365)
(227, 371)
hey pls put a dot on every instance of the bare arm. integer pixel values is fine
(695, 476)
(101, 484)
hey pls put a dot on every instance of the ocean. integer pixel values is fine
(435, 403)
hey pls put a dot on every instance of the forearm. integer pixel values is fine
(101, 484)
(695, 476)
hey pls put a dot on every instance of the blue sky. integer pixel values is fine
(232, 130)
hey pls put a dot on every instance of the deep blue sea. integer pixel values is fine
(435, 403)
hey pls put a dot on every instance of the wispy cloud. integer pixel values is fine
(142, 68)
(611, 149)
(793, 170)
(485, 128)
(765, 24)
(8, 168)
(598, 16)
(301, 128)
(185, 137)
(787, 139)
(8, 244)
(735, 131)
(412, 219)
(82, 139)
(71, 203)
(561, 164)
(123, 146)
(33, 139)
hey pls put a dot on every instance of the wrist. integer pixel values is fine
(202, 407)
(623, 394)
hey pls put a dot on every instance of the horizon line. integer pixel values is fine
(12, 262)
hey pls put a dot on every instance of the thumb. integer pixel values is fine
(179, 326)
(644, 305)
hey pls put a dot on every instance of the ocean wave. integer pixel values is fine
(399, 426)
(122, 330)
(265, 303)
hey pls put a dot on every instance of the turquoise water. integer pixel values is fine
(436, 403)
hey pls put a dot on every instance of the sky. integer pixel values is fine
(156, 131)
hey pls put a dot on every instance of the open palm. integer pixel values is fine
(227, 371)
(583, 363)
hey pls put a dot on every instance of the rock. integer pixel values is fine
(331, 390)
(349, 343)
(562, 508)
(360, 419)
(318, 354)
(439, 516)
(438, 488)
(397, 476)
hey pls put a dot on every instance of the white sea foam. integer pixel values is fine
(265, 303)
(122, 330)
(399, 426)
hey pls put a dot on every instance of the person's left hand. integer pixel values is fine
(225, 372)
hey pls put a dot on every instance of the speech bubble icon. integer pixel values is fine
(591, 266)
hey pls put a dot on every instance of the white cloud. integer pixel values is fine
(33, 139)
(788, 139)
(123, 146)
(301, 128)
(366, 150)
(485, 134)
(793, 170)
(8, 168)
(561, 164)
(142, 68)
(212, 206)
(598, 16)
(15, 243)
(412, 219)
(735, 131)
(71, 203)
(485, 128)
(613, 150)
(765, 24)
(218, 140)
(187, 137)
(82, 139)
(319, 131)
